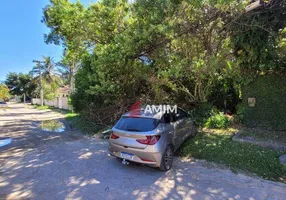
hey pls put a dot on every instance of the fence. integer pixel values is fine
(58, 102)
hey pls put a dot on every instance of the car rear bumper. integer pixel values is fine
(144, 156)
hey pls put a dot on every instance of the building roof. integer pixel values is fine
(64, 90)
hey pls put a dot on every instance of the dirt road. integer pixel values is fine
(68, 165)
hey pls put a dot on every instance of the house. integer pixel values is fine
(63, 91)
(60, 100)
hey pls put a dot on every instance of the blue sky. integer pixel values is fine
(22, 35)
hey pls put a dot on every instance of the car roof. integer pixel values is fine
(144, 114)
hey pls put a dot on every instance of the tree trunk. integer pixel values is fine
(72, 77)
(41, 89)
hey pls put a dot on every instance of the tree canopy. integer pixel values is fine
(47, 68)
(4, 92)
(162, 51)
(256, 37)
(20, 84)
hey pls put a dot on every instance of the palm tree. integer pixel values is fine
(65, 72)
(45, 69)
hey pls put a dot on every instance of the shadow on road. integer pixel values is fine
(68, 165)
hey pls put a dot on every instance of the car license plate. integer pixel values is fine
(127, 156)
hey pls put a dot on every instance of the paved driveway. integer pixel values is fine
(68, 165)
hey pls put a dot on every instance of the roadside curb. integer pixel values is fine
(268, 143)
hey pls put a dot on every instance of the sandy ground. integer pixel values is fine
(68, 165)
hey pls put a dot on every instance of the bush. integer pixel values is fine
(240, 111)
(209, 116)
(224, 94)
(82, 123)
(217, 121)
(201, 113)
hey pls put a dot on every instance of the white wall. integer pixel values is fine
(58, 102)
(65, 103)
(36, 101)
(49, 103)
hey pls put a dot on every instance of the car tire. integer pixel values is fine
(167, 159)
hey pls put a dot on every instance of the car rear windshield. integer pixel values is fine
(137, 124)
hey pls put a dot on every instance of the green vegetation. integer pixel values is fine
(269, 111)
(201, 113)
(49, 90)
(182, 52)
(83, 124)
(237, 156)
(76, 120)
(258, 40)
(44, 107)
(4, 92)
(218, 120)
(20, 84)
(46, 68)
(206, 115)
(175, 52)
(45, 75)
(168, 51)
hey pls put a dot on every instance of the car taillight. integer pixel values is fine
(113, 136)
(150, 140)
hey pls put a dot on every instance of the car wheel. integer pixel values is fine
(167, 159)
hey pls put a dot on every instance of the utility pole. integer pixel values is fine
(41, 81)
